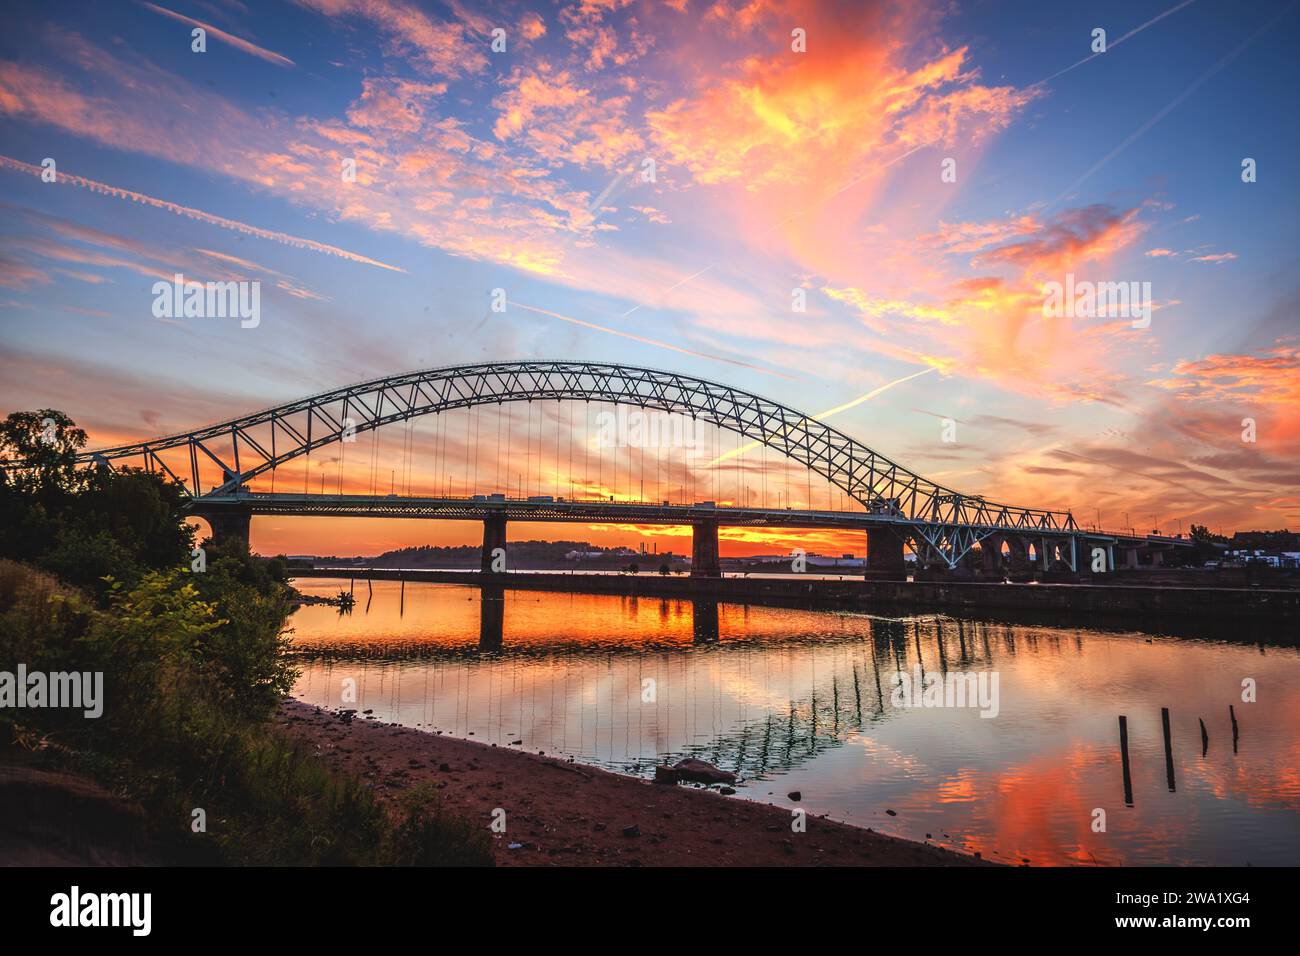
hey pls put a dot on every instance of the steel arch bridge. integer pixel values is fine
(948, 522)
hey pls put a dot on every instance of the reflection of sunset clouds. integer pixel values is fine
(806, 695)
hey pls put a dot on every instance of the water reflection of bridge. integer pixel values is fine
(845, 690)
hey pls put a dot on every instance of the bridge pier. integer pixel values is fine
(885, 555)
(990, 568)
(1108, 562)
(967, 567)
(1018, 567)
(494, 538)
(228, 523)
(705, 561)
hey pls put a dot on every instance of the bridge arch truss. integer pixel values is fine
(243, 448)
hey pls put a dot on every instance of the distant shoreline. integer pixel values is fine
(1126, 603)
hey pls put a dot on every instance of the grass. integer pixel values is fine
(187, 726)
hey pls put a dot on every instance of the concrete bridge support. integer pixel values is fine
(704, 550)
(228, 523)
(885, 555)
(967, 567)
(494, 544)
(990, 566)
(1085, 547)
(1018, 566)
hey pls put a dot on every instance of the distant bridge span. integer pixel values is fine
(943, 524)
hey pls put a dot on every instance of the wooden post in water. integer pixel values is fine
(1169, 749)
(1123, 754)
(401, 608)
(1233, 714)
(1205, 739)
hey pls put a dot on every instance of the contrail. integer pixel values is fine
(600, 200)
(654, 342)
(1110, 46)
(832, 411)
(198, 214)
(1173, 104)
(237, 42)
(672, 288)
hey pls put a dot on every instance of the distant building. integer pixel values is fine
(1267, 542)
(1279, 559)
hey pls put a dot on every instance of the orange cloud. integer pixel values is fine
(564, 122)
(18, 275)
(442, 47)
(789, 118)
(1268, 380)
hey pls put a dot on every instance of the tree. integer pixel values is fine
(84, 523)
(46, 442)
(665, 570)
(1202, 535)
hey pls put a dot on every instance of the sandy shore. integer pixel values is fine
(565, 814)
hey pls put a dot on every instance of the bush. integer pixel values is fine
(187, 693)
(193, 666)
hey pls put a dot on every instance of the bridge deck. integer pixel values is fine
(559, 509)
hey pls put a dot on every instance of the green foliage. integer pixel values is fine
(246, 654)
(85, 557)
(40, 619)
(83, 524)
(47, 441)
(193, 666)
(277, 569)
(426, 835)
(187, 693)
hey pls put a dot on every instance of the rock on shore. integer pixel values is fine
(561, 813)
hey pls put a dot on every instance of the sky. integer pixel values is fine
(815, 202)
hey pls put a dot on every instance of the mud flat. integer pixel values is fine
(560, 813)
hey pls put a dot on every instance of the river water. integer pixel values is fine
(810, 701)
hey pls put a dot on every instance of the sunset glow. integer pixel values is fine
(776, 174)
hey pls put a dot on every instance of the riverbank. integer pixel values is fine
(565, 814)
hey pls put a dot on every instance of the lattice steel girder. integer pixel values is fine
(864, 475)
(950, 541)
